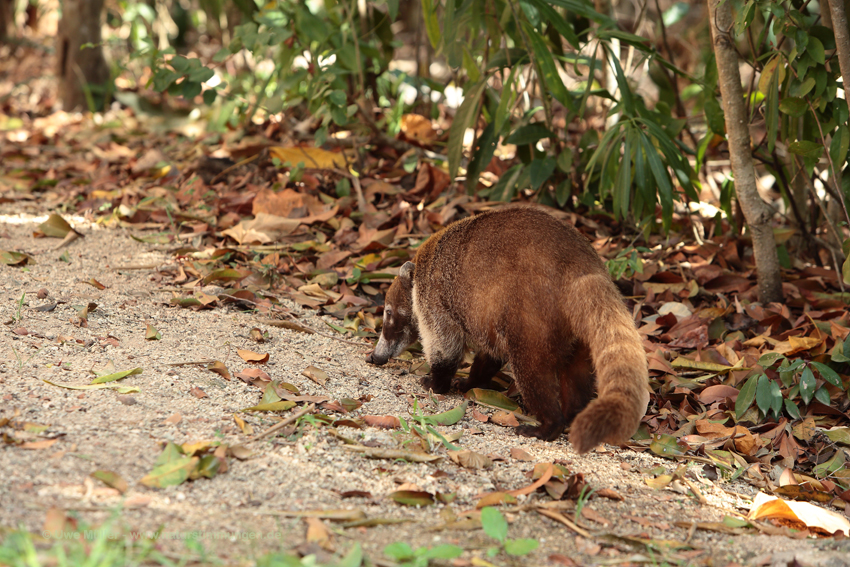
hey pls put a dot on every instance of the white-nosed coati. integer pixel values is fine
(523, 288)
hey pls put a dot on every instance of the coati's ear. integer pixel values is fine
(406, 271)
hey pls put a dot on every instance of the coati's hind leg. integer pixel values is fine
(484, 367)
(577, 381)
(537, 380)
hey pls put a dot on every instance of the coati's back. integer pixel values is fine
(527, 288)
(508, 267)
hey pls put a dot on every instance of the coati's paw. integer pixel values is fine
(547, 431)
(463, 385)
(435, 385)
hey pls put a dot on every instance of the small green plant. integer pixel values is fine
(798, 379)
(406, 556)
(586, 493)
(421, 423)
(18, 317)
(626, 264)
(496, 527)
(21, 361)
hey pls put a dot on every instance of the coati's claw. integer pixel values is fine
(436, 386)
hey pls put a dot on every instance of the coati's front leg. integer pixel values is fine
(442, 372)
(484, 367)
(442, 341)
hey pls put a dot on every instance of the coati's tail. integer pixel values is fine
(619, 360)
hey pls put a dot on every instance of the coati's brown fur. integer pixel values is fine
(524, 288)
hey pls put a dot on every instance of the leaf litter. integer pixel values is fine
(741, 391)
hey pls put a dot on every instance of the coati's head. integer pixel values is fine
(399, 328)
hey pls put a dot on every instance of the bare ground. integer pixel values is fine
(250, 503)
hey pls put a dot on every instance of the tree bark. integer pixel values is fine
(756, 212)
(7, 19)
(80, 70)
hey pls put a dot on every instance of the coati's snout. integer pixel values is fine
(398, 330)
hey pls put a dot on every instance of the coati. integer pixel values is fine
(523, 288)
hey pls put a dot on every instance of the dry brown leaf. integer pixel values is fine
(521, 454)
(478, 416)
(219, 368)
(495, 499)
(174, 419)
(37, 445)
(505, 418)
(262, 229)
(382, 421)
(244, 427)
(417, 128)
(766, 506)
(318, 533)
(594, 516)
(317, 375)
(544, 478)
(311, 157)
(253, 357)
(241, 452)
(54, 521)
(471, 459)
(255, 377)
(198, 393)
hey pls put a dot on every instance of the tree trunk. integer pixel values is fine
(81, 70)
(7, 19)
(756, 211)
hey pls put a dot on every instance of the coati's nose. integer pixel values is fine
(372, 359)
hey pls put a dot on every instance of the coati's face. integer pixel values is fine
(399, 328)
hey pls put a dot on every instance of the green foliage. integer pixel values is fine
(496, 527)
(797, 380)
(406, 556)
(626, 264)
(328, 57)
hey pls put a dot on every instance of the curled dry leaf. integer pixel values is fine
(412, 497)
(255, 377)
(418, 128)
(521, 454)
(111, 479)
(241, 452)
(544, 478)
(495, 499)
(219, 368)
(355, 494)
(811, 516)
(382, 421)
(244, 427)
(36, 445)
(198, 393)
(152, 333)
(471, 459)
(272, 406)
(505, 419)
(256, 335)
(318, 533)
(478, 416)
(253, 357)
(316, 375)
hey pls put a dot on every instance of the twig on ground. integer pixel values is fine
(278, 426)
